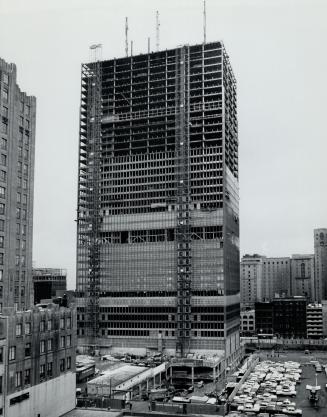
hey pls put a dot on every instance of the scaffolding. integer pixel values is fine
(89, 218)
(183, 228)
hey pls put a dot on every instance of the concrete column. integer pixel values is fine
(214, 373)
(192, 370)
(147, 385)
(140, 388)
(154, 382)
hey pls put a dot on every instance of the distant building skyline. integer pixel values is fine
(262, 277)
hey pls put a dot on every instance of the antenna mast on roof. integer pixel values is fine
(126, 36)
(204, 22)
(157, 30)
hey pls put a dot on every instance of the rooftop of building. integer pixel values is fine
(162, 51)
(247, 312)
(11, 68)
(49, 272)
(84, 359)
(49, 307)
(140, 56)
(314, 305)
(117, 376)
(77, 412)
(290, 298)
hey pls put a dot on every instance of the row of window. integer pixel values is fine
(46, 370)
(65, 323)
(45, 346)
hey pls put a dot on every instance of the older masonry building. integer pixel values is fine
(37, 357)
(17, 137)
(320, 249)
(158, 216)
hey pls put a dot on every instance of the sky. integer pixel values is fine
(277, 50)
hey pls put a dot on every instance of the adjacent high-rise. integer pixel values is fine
(158, 216)
(17, 135)
(302, 276)
(264, 278)
(320, 249)
(251, 280)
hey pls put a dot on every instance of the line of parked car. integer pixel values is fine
(265, 388)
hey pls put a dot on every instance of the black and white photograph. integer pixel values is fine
(163, 208)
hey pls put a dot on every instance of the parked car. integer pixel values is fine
(292, 411)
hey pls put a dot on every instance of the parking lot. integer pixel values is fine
(308, 377)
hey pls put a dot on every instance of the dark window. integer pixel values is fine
(42, 372)
(27, 377)
(27, 349)
(62, 365)
(49, 369)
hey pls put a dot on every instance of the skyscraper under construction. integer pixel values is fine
(158, 216)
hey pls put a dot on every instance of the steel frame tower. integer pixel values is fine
(158, 254)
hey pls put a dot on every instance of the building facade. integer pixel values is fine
(276, 277)
(264, 318)
(48, 283)
(251, 281)
(320, 249)
(37, 355)
(302, 276)
(248, 322)
(315, 326)
(282, 317)
(158, 217)
(289, 317)
(17, 138)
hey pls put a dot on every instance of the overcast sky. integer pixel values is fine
(278, 52)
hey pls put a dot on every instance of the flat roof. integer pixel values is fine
(91, 413)
(117, 376)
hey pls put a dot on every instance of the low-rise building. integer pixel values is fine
(314, 321)
(283, 317)
(289, 317)
(264, 318)
(248, 322)
(37, 361)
